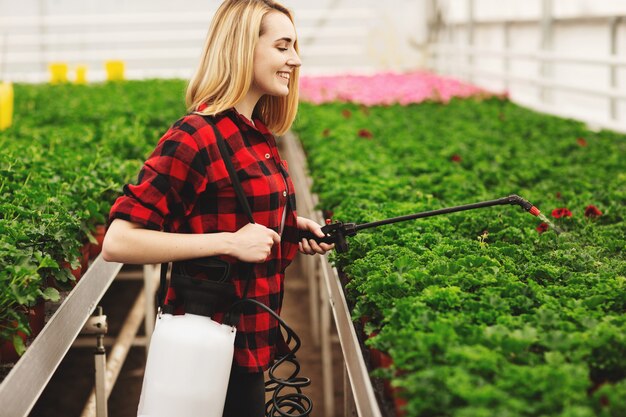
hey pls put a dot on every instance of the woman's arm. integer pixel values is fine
(128, 242)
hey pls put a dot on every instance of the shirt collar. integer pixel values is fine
(236, 116)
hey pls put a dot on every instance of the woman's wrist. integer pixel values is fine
(225, 243)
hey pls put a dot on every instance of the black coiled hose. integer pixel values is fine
(290, 404)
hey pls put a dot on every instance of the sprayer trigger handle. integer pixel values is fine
(309, 235)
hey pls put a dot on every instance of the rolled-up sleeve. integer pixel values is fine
(168, 184)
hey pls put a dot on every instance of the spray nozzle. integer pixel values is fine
(525, 204)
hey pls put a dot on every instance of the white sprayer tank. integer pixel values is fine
(188, 367)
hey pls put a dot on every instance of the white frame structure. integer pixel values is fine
(446, 55)
(163, 45)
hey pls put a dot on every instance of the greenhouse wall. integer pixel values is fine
(164, 38)
(582, 29)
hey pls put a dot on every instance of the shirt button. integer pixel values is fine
(284, 193)
(267, 156)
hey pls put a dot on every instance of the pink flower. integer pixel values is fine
(385, 88)
(542, 227)
(366, 134)
(592, 211)
(561, 212)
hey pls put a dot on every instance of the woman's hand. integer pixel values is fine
(253, 243)
(311, 247)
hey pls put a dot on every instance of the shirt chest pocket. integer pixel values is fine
(265, 189)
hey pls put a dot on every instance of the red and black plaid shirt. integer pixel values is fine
(184, 187)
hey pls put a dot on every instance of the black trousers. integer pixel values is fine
(245, 396)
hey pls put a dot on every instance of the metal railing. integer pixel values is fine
(359, 396)
(22, 387)
(24, 384)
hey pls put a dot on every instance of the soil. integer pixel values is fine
(71, 385)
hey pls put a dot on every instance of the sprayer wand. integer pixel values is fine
(338, 231)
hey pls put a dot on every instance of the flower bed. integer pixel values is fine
(486, 312)
(62, 164)
(384, 88)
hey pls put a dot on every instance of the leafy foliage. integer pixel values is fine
(63, 163)
(481, 314)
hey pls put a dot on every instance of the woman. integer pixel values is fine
(184, 207)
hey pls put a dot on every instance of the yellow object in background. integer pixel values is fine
(115, 70)
(6, 105)
(58, 72)
(81, 74)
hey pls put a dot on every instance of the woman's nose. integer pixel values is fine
(294, 60)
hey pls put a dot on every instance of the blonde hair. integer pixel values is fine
(225, 73)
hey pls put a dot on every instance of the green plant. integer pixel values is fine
(484, 313)
(62, 166)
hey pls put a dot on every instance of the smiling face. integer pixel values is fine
(275, 56)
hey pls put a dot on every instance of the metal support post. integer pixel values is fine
(546, 68)
(22, 387)
(327, 353)
(101, 364)
(470, 38)
(450, 62)
(98, 325)
(119, 352)
(3, 53)
(314, 294)
(506, 60)
(615, 22)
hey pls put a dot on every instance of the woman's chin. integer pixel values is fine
(279, 93)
